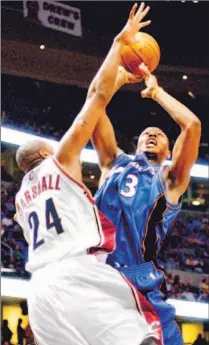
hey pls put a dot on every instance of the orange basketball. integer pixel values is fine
(145, 50)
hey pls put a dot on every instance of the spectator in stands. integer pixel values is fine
(188, 295)
(6, 333)
(29, 336)
(20, 332)
(204, 286)
(169, 284)
(203, 297)
(200, 340)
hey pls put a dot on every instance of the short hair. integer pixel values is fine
(29, 153)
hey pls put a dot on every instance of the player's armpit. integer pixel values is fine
(106, 169)
(185, 153)
(104, 173)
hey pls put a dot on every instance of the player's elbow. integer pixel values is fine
(100, 95)
(194, 126)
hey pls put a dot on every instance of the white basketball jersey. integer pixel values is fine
(58, 217)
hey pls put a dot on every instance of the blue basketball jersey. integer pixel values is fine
(133, 197)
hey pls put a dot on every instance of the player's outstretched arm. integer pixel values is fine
(185, 150)
(103, 137)
(101, 91)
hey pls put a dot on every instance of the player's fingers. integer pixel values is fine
(144, 69)
(134, 79)
(137, 80)
(144, 93)
(143, 14)
(143, 24)
(141, 8)
(133, 10)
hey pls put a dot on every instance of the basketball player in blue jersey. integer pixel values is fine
(142, 198)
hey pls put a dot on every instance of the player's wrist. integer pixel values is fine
(119, 40)
(155, 92)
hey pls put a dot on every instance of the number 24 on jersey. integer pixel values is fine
(52, 221)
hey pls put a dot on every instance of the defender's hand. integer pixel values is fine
(127, 77)
(134, 24)
(150, 81)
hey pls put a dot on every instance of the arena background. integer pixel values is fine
(48, 61)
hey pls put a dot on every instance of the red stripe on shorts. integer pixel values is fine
(147, 310)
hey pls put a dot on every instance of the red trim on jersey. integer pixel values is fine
(107, 233)
(80, 184)
(105, 228)
(147, 310)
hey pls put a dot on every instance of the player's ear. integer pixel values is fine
(43, 154)
(168, 154)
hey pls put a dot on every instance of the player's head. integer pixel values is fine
(32, 153)
(154, 141)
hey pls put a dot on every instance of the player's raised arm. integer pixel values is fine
(100, 94)
(185, 150)
(103, 137)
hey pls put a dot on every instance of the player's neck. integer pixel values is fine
(35, 164)
(152, 157)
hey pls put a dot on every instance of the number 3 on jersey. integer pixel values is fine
(52, 221)
(129, 188)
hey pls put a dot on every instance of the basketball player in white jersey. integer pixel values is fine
(75, 298)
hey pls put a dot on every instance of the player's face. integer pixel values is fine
(153, 140)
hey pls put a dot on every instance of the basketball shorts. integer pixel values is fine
(81, 301)
(147, 279)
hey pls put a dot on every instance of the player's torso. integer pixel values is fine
(133, 198)
(58, 216)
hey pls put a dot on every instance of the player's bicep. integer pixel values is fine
(80, 132)
(104, 141)
(185, 153)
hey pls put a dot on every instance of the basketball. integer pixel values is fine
(145, 50)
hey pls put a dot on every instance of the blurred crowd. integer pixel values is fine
(185, 290)
(13, 246)
(186, 247)
(36, 106)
